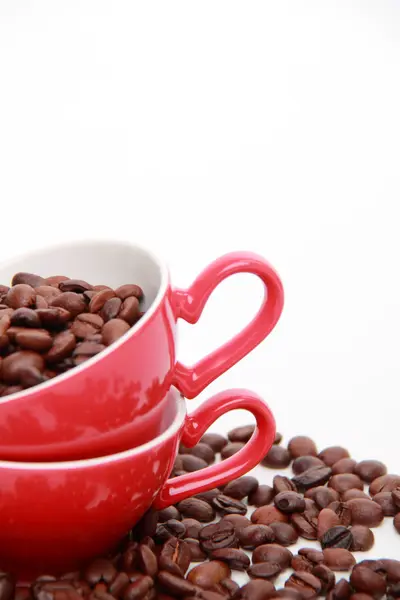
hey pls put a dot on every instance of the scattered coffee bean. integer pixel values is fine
(201, 450)
(339, 559)
(332, 454)
(242, 487)
(369, 470)
(234, 558)
(385, 501)
(241, 434)
(262, 496)
(303, 463)
(365, 512)
(192, 463)
(341, 591)
(363, 538)
(231, 449)
(344, 465)
(238, 521)
(283, 484)
(273, 553)
(285, 534)
(209, 573)
(327, 519)
(226, 505)
(314, 476)
(171, 512)
(307, 584)
(175, 557)
(100, 570)
(265, 515)
(316, 557)
(192, 527)
(256, 589)
(197, 509)
(302, 445)
(305, 525)
(365, 580)
(215, 441)
(172, 583)
(384, 483)
(255, 535)
(209, 495)
(337, 537)
(277, 458)
(342, 509)
(345, 481)
(196, 552)
(217, 535)
(289, 502)
(322, 496)
(264, 570)
(326, 577)
(354, 493)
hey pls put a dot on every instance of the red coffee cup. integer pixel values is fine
(85, 411)
(57, 516)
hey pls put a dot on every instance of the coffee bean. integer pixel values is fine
(264, 570)
(203, 451)
(337, 537)
(129, 311)
(277, 458)
(229, 587)
(302, 445)
(215, 441)
(262, 496)
(339, 559)
(63, 346)
(175, 528)
(301, 563)
(231, 449)
(305, 525)
(332, 454)
(361, 596)
(238, 521)
(313, 477)
(226, 505)
(113, 330)
(5, 323)
(316, 557)
(27, 278)
(242, 487)
(344, 465)
(53, 318)
(175, 556)
(241, 434)
(38, 340)
(70, 301)
(345, 481)
(256, 589)
(343, 511)
(396, 497)
(364, 580)
(196, 509)
(365, 512)
(285, 533)
(255, 535)
(385, 501)
(307, 584)
(326, 577)
(369, 470)
(216, 536)
(74, 285)
(322, 496)
(110, 309)
(171, 512)
(396, 522)
(290, 502)
(25, 317)
(283, 484)
(192, 463)
(139, 588)
(363, 538)
(41, 302)
(99, 570)
(384, 483)
(196, 552)
(119, 584)
(21, 295)
(392, 569)
(209, 495)
(98, 300)
(327, 519)
(47, 292)
(303, 463)
(234, 558)
(15, 364)
(209, 573)
(128, 290)
(7, 586)
(273, 553)
(354, 493)
(288, 594)
(265, 515)
(87, 324)
(341, 591)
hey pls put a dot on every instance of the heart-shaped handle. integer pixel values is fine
(189, 305)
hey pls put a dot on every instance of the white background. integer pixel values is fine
(203, 127)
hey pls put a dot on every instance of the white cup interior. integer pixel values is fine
(103, 262)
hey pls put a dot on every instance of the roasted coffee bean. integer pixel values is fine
(264, 570)
(384, 483)
(265, 515)
(162, 534)
(305, 525)
(288, 594)
(129, 311)
(27, 278)
(343, 511)
(63, 345)
(171, 512)
(55, 280)
(209, 573)
(240, 488)
(175, 557)
(365, 580)
(301, 563)
(307, 584)
(332, 454)
(396, 497)
(256, 589)
(303, 463)
(238, 521)
(38, 340)
(285, 533)
(215, 441)
(344, 465)
(339, 559)
(30, 377)
(341, 591)
(74, 285)
(201, 450)
(326, 577)
(87, 348)
(99, 570)
(7, 586)
(217, 535)
(255, 535)
(385, 501)
(283, 484)
(393, 591)
(21, 295)
(316, 557)
(15, 364)
(41, 302)
(98, 300)
(361, 596)
(139, 589)
(119, 584)
(234, 558)
(25, 317)
(226, 505)
(70, 301)
(192, 463)
(369, 470)
(302, 445)
(129, 289)
(337, 537)
(241, 434)
(313, 477)
(110, 309)
(277, 458)
(322, 496)
(273, 553)
(196, 552)
(391, 568)
(290, 502)
(345, 481)
(208, 495)
(113, 330)
(87, 324)
(327, 519)
(53, 318)
(354, 493)
(47, 292)
(262, 496)
(363, 538)
(231, 449)
(229, 587)
(365, 512)
(5, 323)
(176, 528)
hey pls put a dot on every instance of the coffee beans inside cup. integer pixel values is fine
(198, 550)
(49, 325)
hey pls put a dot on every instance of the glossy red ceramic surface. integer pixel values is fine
(107, 400)
(57, 516)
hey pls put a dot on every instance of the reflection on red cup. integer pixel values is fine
(118, 387)
(57, 516)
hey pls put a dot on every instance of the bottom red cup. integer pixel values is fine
(57, 516)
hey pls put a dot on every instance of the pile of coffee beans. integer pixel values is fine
(328, 506)
(50, 325)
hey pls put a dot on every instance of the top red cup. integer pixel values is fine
(119, 386)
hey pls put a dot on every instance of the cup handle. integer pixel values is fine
(189, 305)
(196, 424)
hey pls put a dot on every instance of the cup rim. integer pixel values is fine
(164, 282)
(87, 463)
